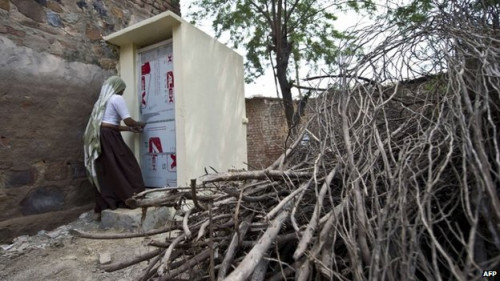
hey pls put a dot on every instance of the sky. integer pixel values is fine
(265, 85)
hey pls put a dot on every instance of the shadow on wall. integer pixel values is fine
(45, 102)
(52, 64)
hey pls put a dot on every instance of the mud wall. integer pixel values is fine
(52, 63)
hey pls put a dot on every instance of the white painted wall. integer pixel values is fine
(210, 104)
(128, 62)
(210, 98)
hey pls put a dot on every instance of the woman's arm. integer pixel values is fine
(132, 125)
(124, 128)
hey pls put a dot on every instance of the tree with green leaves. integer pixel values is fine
(278, 33)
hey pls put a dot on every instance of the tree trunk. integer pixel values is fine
(286, 91)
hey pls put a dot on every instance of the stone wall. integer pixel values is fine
(52, 63)
(73, 29)
(266, 131)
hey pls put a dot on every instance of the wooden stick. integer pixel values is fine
(280, 240)
(281, 160)
(285, 272)
(246, 198)
(148, 271)
(123, 264)
(190, 245)
(193, 194)
(233, 246)
(303, 271)
(82, 234)
(185, 226)
(327, 227)
(187, 265)
(247, 266)
(259, 273)
(311, 227)
(170, 201)
(263, 174)
(283, 202)
(203, 229)
(166, 257)
(211, 243)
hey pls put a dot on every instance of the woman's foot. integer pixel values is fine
(97, 217)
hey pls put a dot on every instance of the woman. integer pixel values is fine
(111, 165)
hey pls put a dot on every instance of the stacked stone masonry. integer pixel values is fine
(73, 29)
(52, 63)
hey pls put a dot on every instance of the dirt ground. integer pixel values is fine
(57, 255)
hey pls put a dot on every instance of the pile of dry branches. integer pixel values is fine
(398, 181)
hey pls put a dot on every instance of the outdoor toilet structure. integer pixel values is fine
(189, 89)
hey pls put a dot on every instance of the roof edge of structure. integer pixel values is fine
(146, 32)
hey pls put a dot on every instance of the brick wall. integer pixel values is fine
(266, 131)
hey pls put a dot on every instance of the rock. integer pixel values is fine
(4, 164)
(93, 33)
(70, 257)
(84, 216)
(42, 2)
(71, 18)
(21, 239)
(61, 231)
(13, 31)
(118, 13)
(82, 4)
(23, 246)
(56, 244)
(53, 19)
(42, 200)
(5, 4)
(31, 10)
(6, 247)
(107, 63)
(104, 258)
(100, 8)
(19, 178)
(54, 6)
(130, 220)
(57, 170)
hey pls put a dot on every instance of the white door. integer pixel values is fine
(157, 108)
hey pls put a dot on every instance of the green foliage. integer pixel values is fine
(419, 11)
(303, 28)
(279, 31)
(414, 12)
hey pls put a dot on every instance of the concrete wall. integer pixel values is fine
(209, 89)
(211, 118)
(52, 63)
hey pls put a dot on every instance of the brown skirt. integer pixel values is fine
(118, 172)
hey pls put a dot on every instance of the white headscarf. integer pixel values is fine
(91, 138)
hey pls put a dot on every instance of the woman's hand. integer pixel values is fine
(131, 123)
(141, 124)
(136, 129)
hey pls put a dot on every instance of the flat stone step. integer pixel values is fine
(130, 219)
